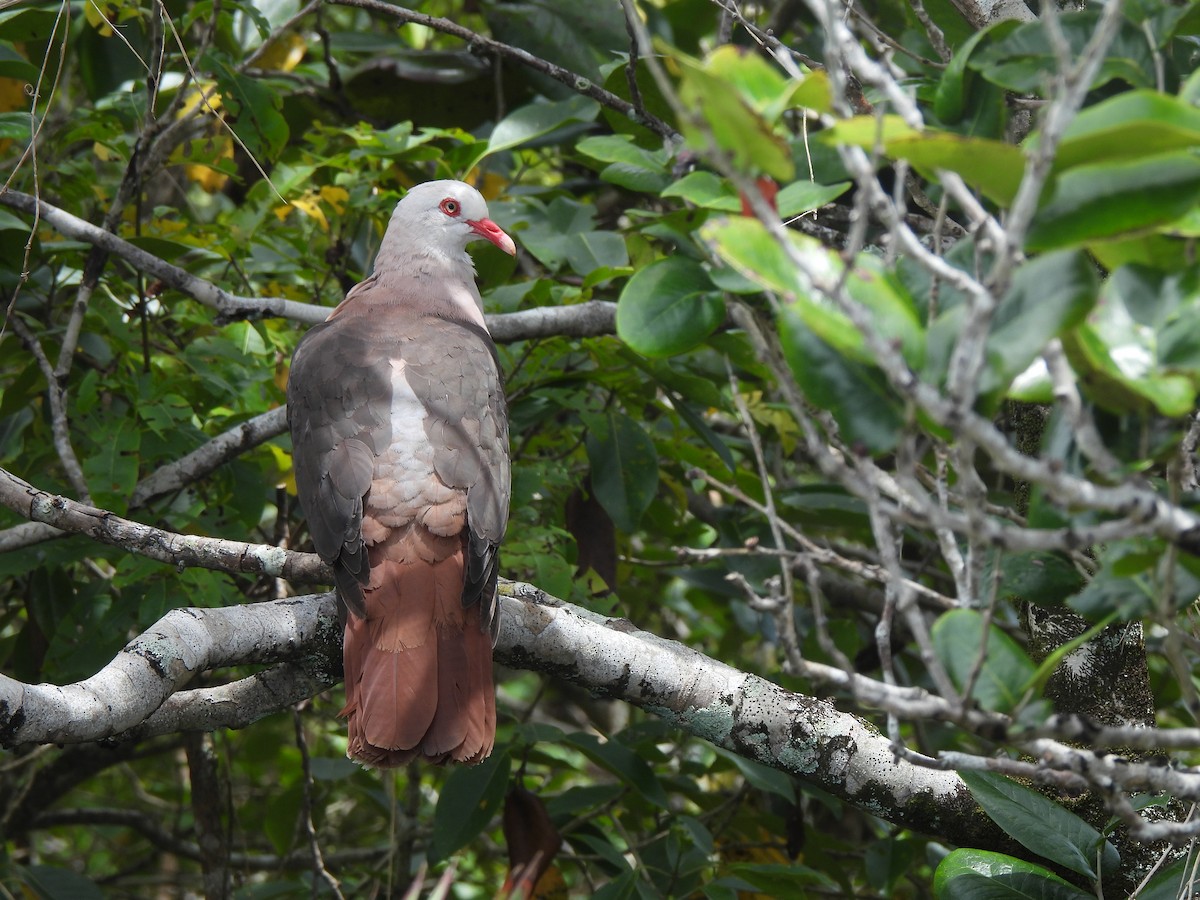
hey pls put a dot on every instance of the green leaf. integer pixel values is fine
(950, 99)
(53, 883)
(1111, 199)
(669, 307)
(1048, 295)
(254, 107)
(1039, 577)
(857, 394)
(782, 880)
(469, 799)
(730, 120)
(1023, 59)
(632, 167)
(1041, 825)
(760, 82)
(624, 467)
(1139, 344)
(994, 167)
(747, 246)
(538, 119)
(967, 874)
(706, 190)
(766, 779)
(111, 470)
(1125, 126)
(804, 196)
(1006, 669)
(622, 762)
(1173, 882)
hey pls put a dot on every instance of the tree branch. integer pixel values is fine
(476, 41)
(225, 303)
(165, 546)
(804, 736)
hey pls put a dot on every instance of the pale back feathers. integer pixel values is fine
(400, 447)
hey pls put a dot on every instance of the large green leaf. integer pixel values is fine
(53, 883)
(968, 874)
(1024, 60)
(1126, 126)
(535, 120)
(669, 307)
(1041, 825)
(727, 105)
(994, 167)
(624, 467)
(804, 196)
(1111, 199)
(953, 88)
(1048, 295)
(857, 394)
(254, 108)
(747, 246)
(1006, 670)
(469, 799)
(111, 470)
(619, 759)
(630, 166)
(1139, 345)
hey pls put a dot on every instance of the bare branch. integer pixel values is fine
(165, 546)
(225, 303)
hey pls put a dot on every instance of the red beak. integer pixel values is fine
(490, 231)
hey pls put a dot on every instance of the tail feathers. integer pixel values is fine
(419, 667)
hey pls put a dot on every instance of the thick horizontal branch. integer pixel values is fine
(804, 736)
(151, 668)
(475, 40)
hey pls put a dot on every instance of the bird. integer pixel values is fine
(400, 451)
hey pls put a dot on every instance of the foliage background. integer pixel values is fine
(935, 430)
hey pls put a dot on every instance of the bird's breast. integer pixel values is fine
(405, 487)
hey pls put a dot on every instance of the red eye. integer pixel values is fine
(450, 207)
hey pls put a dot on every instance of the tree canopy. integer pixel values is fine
(852, 363)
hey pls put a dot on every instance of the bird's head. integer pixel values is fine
(441, 218)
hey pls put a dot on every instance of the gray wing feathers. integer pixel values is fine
(338, 400)
(457, 377)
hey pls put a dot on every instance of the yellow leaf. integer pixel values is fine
(12, 94)
(208, 178)
(104, 154)
(310, 205)
(487, 183)
(284, 54)
(99, 18)
(202, 94)
(336, 197)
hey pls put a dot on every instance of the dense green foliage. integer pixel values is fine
(934, 417)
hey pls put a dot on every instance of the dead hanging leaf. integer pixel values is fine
(533, 842)
(594, 534)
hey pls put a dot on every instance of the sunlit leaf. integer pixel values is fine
(967, 874)
(1041, 825)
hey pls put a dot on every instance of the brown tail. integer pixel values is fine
(419, 667)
